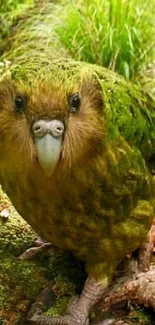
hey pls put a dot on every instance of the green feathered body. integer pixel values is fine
(99, 202)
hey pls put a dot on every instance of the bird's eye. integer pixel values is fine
(75, 102)
(20, 104)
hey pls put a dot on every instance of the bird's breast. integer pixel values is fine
(88, 212)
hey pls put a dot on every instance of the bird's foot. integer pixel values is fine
(78, 310)
(109, 321)
(74, 315)
(40, 246)
(76, 319)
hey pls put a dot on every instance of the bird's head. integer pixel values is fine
(50, 115)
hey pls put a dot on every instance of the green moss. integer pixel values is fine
(59, 307)
(64, 291)
(21, 282)
(15, 234)
(140, 316)
(69, 276)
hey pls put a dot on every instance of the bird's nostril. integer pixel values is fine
(59, 129)
(37, 128)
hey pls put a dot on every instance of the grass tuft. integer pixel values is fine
(118, 34)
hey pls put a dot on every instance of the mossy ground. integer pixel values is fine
(15, 234)
(20, 281)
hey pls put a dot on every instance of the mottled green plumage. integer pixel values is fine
(99, 201)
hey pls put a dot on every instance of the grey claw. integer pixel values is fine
(108, 321)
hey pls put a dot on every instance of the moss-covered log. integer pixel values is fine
(20, 281)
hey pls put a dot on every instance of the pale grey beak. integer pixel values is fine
(48, 137)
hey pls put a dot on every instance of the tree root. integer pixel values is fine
(137, 289)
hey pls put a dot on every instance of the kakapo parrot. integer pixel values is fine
(76, 148)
